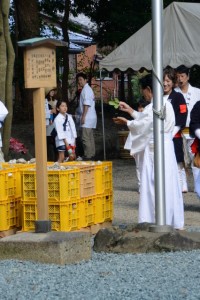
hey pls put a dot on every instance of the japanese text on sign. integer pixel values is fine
(41, 66)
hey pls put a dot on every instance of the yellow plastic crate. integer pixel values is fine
(62, 185)
(87, 177)
(103, 208)
(103, 177)
(87, 181)
(63, 216)
(9, 214)
(8, 184)
(17, 168)
(87, 211)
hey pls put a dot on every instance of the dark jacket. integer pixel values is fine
(195, 119)
(180, 110)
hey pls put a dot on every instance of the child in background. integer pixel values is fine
(66, 132)
(50, 110)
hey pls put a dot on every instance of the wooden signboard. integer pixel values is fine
(39, 73)
(40, 67)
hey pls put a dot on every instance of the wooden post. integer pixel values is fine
(40, 72)
(41, 153)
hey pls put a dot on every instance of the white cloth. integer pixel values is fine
(182, 177)
(197, 133)
(176, 130)
(3, 114)
(141, 129)
(197, 185)
(47, 112)
(87, 98)
(173, 193)
(138, 159)
(142, 138)
(70, 133)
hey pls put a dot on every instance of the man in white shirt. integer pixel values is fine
(191, 95)
(87, 116)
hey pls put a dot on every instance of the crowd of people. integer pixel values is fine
(181, 137)
(181, 125)
(63, 130)
(182, 114)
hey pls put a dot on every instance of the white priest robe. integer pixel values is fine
(141, 135)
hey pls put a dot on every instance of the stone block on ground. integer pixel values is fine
(52, 247)
(132, 239)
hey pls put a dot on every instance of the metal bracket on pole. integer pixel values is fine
(161, 113)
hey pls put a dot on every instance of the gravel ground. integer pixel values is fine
(159, 276)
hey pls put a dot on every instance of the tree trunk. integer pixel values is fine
(3, 56)
(65, 77)
(8, 77)
(28, 26)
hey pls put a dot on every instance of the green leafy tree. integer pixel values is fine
(59, 12)
(26, 26)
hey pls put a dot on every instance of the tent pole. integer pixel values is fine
(158, 123)
(102, 115)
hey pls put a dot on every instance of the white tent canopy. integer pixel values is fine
(181, 41)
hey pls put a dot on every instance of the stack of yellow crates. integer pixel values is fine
(96, 197)
(79, 195)
(10, 198)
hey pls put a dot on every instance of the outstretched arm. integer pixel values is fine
(120, 120)
(126, 108)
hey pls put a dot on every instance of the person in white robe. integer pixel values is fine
(141, 130)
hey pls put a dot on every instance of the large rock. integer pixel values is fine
(138, 239)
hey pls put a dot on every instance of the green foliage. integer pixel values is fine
(114, 102)
(135, 84)
(116, 20)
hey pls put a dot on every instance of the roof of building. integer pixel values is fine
(77, 40)
(37, 41)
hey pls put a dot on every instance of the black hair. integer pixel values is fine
(142, 102)
(81, 74)
(183, 69)
(170, 73)
(59, 102)
(146, 81)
